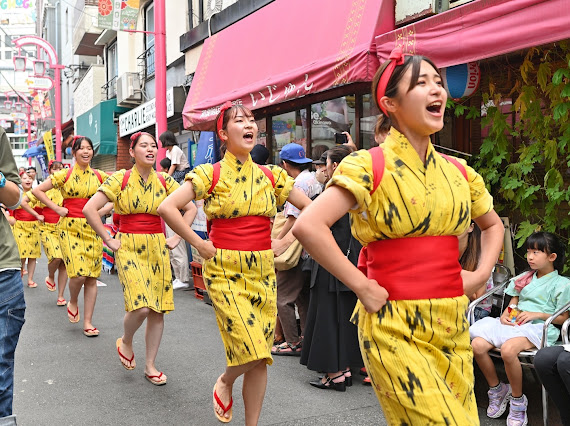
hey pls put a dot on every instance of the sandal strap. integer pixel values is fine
(221, 404)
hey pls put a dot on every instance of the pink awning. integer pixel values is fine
(481, 29)
(287, 49)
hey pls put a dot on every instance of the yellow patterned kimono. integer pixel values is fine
(143, 261)
(81, 247)
(27, 235)
(242, 284)
(49, 232)
(417, 352)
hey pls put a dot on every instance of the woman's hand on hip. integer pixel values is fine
(113, 244)
(173, 242)
(207, 249)
(373, 296)
(279, 247)
(62, 211)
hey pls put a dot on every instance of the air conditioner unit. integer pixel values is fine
(129, 89)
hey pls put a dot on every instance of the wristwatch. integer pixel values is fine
(2, 180)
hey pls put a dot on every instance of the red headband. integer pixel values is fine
(137, 135)
(50, 163)
(396, 58)
(75, 138)
(227, 105)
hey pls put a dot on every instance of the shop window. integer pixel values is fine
(330, 117)
(149, 40)
(368, 121)
(261, 131)
(288, 127)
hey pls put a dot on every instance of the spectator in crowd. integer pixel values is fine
(179, 254)
(259, 154)
(553, 367)
(330, 343)
(179, 165)
(34, 175)
(537, 294)
(293, 284)
(13, 305)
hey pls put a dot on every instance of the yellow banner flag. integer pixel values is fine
(49, 145)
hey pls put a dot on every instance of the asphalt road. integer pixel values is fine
(64, 378)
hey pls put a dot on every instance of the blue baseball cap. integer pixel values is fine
(294, 153)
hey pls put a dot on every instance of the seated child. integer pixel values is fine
(537, 293)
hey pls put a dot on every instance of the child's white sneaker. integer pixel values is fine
(517, 413)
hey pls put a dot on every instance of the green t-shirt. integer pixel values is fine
(546, 294)
(9, 257)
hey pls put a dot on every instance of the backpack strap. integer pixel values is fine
(98, 175)
(378, 164)
(128, 175)
(268, 174)
(69, 170)
(216, 176)
(456, 164)
(161, 179)
(126, 179)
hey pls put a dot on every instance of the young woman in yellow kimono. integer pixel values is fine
(141, 250)
(240, 198)
(413, 333)
(26, 230)
(49, 235)
(81, 247)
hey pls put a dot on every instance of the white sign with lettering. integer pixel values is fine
(144, 115)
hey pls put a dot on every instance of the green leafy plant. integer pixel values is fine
(525, 157)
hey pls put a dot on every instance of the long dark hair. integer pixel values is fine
(414, 61)
(549, 244)
(470, 257)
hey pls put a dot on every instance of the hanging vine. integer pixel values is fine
(526, 160)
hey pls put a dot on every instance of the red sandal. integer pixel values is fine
(50, 286)
(131, 361)
(222, 418)
(73, 318)
(156, 380)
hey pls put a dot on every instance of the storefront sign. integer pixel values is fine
(144, 115)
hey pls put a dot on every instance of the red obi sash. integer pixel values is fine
(414, 268)
(24, 216)
(50, 216)
(140, 223)
(249, 233)
(75, 206)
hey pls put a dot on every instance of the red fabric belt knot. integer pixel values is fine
(414, 268)
(249, 233)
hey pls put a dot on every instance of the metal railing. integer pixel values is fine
(146, 63)
(109, 89)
